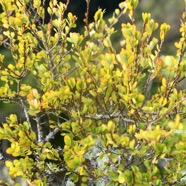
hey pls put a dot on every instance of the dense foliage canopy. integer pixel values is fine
(121, 115)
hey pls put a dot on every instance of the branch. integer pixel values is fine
(39, 129)
(168, 111)
(25, 112)
(86, 20)
(183, 177)
(2, 158)
(65, 54)
(117, 115)
(51, 134)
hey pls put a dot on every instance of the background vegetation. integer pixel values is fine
(92, 111)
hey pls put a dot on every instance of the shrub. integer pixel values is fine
(118, 127)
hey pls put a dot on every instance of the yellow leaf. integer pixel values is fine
(131, 144)
(8, 163)
(111, 126)
(67, 140)
(121, 178)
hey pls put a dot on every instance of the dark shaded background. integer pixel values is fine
(161, 11)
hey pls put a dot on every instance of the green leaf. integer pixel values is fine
(113, 176)
(73, 163)
(128, 177)
(75, 38)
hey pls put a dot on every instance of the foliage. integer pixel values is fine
(117, 126)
